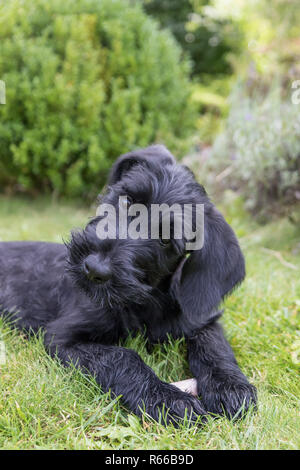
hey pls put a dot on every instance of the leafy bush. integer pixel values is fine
(86, 80)
(207, 38)
(260, 150)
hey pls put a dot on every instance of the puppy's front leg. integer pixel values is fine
(220, 382)
(123, 372)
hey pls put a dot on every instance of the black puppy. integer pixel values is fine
(88, 295)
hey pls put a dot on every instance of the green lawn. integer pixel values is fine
(43, 405)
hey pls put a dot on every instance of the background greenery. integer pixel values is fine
(206, 38)
(87, 80)
(252, 141)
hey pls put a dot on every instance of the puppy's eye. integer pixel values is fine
(125, 202)
(165, 241)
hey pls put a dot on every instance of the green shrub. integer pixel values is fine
(86, 80)
(260, 150)
(207, 39)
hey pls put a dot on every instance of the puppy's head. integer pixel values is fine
(122, 269)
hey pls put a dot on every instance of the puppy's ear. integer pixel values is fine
(212, 272)
(150, 156)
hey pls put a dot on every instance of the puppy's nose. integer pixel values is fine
(96, 269)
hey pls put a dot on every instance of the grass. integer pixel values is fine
(44, 406)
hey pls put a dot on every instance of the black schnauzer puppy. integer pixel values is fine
(88, 295)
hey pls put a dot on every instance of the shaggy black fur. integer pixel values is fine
(88, 295)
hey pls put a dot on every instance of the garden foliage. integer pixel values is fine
(86, 80)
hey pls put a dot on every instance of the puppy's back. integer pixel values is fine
(28, 273)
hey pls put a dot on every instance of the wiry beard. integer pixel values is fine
(126, 286)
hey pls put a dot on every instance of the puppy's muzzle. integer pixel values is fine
(97, 270)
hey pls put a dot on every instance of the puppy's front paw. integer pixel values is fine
(170, 405)
(230, 397)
